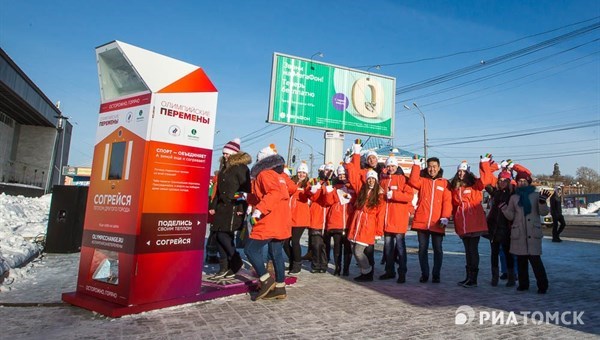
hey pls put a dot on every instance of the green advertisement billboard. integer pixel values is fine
(323, 96)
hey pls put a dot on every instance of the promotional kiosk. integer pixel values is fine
(145, 221)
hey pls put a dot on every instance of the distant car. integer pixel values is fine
(547, 219)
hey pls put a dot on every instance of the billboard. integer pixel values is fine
(329, 97)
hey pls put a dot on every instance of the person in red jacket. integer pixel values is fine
(367, 222)
(469, 216)
(271, 221)
(300, 218)
(340, 208)
(398, 197)
(318, 210)
(434, 207)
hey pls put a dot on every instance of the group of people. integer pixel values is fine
(357, 204)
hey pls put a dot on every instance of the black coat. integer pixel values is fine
(233, 177)
(498, 224)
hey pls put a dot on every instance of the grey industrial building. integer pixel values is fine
(34, 135)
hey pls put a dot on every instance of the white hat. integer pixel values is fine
(329, 166)
(391, 161)
(371, 174)
(266, 152)
(341, 170)
(371, 153)
(322, 167)
(302, 167)
(463, 166)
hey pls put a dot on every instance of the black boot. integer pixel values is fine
(265, 287)
(223, 269)
(236, 262)
(278, 293)
(346, 269)
(296, 267)
(365, 277)
(495, 276)
(510, 279)
(401, 278)
(472, 282)
(387, 276)
(467, 270)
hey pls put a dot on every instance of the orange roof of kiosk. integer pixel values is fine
(126, 70)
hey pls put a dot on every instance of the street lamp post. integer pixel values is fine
(318, 54)
(311, 157)
(424, 127)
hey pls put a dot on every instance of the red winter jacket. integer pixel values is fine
(338, 215)
(469, 216)
(270, 195)
(366, 222)
(435, 200)
(397, 209)
(299, 208)
(318, 210)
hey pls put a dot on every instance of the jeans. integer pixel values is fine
(436, 242)
(365, 257)
(254, 252)
(502, 248)
(504, 260)
(394, 250)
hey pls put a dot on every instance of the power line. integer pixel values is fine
(476, 50)
(497, 60)
(501, 73)
(504, 136)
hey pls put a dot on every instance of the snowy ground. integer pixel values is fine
(23, 224)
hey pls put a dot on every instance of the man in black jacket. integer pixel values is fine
(557, 215)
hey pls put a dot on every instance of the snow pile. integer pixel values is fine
(22, 221)
(592, 209)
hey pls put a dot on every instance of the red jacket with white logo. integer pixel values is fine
(338, 215)
(469, 216)
(366, 222)
(435, 200)
(397, 209)
(299, 207)
(318, 210)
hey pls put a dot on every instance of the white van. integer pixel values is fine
(547, 219)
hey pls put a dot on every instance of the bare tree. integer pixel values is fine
(589, 178)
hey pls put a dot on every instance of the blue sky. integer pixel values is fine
(554, 88)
